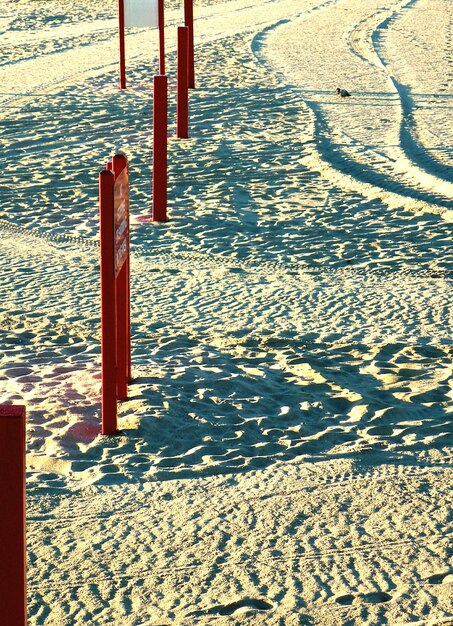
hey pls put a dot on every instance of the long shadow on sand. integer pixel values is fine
(278, 400)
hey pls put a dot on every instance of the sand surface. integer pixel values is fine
(284, 456)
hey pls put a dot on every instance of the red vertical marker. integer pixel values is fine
(128, 312)
(122, 44)
(188, 21)
(122, 334)
(108, 308)
(160, 148)
(13, 594)
(115, 289)
(161, 37)
(182, 105)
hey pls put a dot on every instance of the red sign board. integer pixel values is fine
(121, 220)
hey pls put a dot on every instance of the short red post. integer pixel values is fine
(108, 308)
(182, 106)
(128, 312)
(188, 21)
(13, 582)
(161, 37)
(122, 44)
(122, 333)
(119, 164)
(160, 104)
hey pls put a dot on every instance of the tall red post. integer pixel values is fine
(122, 44)
(182, 105)
(161, 37)
(160, 105)
(188, 21)
(13, 592)
(119, 163)
(108, 300)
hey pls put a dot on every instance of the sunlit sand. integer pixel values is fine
(284, 454)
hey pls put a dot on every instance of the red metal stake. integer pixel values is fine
(108, 308)
(161, 37)
(182, 106)
(122, 44)
(188, 21)
(122, 307)
(160, 105)
(13, 583)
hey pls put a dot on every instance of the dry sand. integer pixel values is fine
(285, 452)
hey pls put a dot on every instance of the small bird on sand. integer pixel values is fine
(343, 93)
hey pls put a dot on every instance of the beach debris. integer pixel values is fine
(343, 93)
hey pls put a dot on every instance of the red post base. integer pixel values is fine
(13, 594)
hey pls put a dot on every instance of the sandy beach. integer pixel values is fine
(284, 457)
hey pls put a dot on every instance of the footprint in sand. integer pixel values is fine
(440, 578)
(246, 605)
(374, 597)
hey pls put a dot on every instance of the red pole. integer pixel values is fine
(160, 148)
(108, 308)
(122, 306)
(188, 21)
(128, 326)
(122, 44)
(13, 582)
(182, 107)
(161, 37)
(122, 334)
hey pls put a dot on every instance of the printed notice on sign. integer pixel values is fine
(121, 221)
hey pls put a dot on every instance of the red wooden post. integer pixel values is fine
(122, 304)
(122, 44)
(188, 21)
(182, 107)
(108, 308)
(161, 37)
(122, 334)
(128, 312)
(13, 593)
(160, 148)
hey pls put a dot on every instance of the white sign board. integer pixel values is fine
(141, 14)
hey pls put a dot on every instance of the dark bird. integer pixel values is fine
(343, 93)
